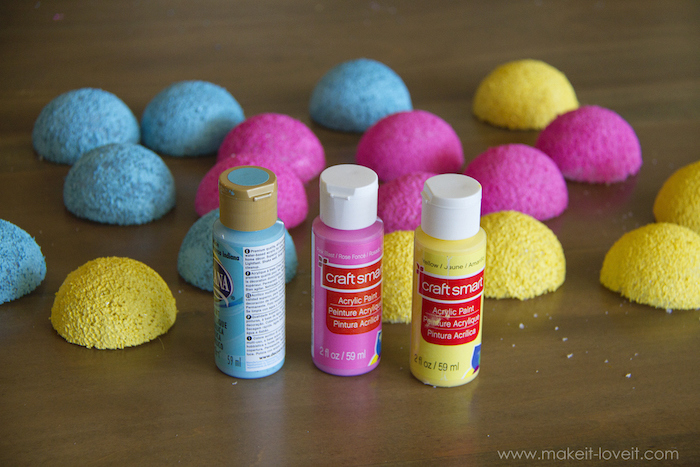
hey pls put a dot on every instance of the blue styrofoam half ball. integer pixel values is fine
(195, 261)
(291, 262)
(80, 120)
(354, 95)
(123, 184)
(189, 118)
(22, 265)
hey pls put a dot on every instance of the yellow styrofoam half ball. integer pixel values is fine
(524, 258)
(523, 95)
(397, 277)
(678, 200)
(112, 303)
(657, 265)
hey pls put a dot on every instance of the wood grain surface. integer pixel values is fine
(589, 371)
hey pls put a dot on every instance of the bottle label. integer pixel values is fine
(451, 307)
(347, 305)
(249, 306)
(353, 296)
(446, 323)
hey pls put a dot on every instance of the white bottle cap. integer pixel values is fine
(451, 207)
(348, 197)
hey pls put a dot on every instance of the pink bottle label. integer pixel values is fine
(347, 304)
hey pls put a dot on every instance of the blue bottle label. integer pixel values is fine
(249, 306)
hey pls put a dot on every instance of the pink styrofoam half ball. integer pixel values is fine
(279, 138)
(407, 142)
(292, 204)
(518, 177)
(399, 201)
(592, 144)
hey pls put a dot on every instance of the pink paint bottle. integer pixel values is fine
(347, 245)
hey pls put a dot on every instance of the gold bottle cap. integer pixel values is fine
(248, 198)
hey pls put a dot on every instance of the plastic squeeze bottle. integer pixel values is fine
(347, 245)
(249, 287)
(448, 282)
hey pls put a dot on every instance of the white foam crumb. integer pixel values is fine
(564, 339)
(570, 355)
(556, 328)
(521, 326)
(513, 345)
(628, 375)
(606, 361)
(534, 315)
(669, 311)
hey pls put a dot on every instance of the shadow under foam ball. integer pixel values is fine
(521, 178)
(189, 118)
(112, 303)
(279, 138)
(354, 95)
(407, 142)
(22, 265)
(195, 260)
(81, 120)
(123, 184)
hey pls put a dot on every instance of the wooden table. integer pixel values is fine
(589, 374)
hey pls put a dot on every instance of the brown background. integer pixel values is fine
(165, 402)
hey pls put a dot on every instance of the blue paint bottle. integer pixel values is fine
(249, 286)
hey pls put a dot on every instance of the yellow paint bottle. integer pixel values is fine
(448, 282)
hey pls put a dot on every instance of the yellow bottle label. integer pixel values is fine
(448, 287)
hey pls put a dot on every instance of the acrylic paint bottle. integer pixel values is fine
(448, 282)
(249, 286)
(347, 245)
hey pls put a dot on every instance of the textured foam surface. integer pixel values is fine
(524, 258)
(112, 303)
(189, 118)
(592, 144)
(520, 178)
(678, 200)
(399, 201)
(22, 265)
(195, 261)
(354, 95)
(292, 203)
(80, 120)
(523, 95)
(407, 142)
(122, 184)
(397, 277)
(279, 138)
(657, 265)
